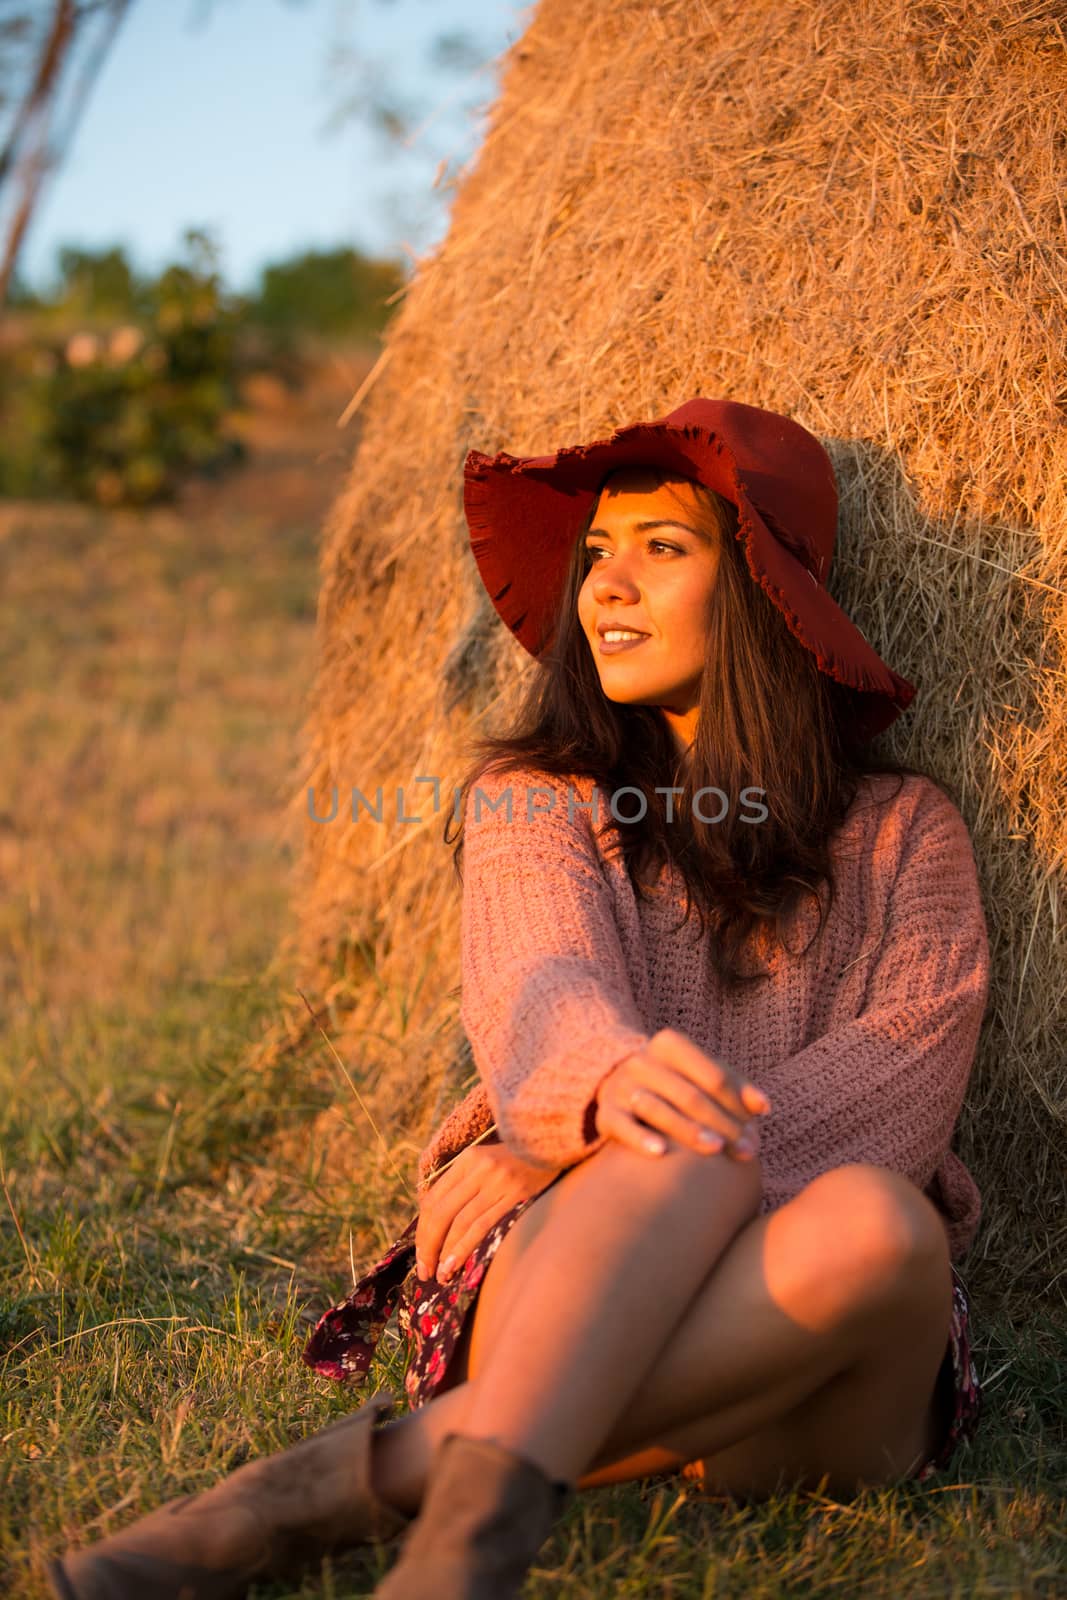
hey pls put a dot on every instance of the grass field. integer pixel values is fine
(160, 1260)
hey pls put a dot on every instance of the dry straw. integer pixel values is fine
(852, 212)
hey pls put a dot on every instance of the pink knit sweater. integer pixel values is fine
(864, 1045)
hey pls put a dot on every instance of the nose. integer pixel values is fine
(611, 578)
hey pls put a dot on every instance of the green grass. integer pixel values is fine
(159, 1258)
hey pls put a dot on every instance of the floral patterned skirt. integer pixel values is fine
(958, 1383)
(432, 1316)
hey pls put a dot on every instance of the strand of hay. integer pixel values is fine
(851, 212)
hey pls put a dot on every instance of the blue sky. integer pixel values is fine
(216, 114)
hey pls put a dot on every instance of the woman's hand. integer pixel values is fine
(676, 1088)
(458, 1209)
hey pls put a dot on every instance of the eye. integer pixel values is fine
(593, 550)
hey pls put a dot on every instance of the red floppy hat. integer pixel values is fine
(524, 514)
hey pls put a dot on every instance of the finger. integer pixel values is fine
(733, 1091)
(427, 1245)
(496, 1196)
(699, 1124)
(468, 1227)
(621, 1125)
(711, 1077)
(431, 1230)
(679, 1107)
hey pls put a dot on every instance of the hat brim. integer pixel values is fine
(524, 514)
(814, 617)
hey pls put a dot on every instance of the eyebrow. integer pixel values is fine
(656, 522)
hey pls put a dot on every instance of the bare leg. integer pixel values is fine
(831, 1313)
(812, 1349)
(628, 1243)
(594, 1239)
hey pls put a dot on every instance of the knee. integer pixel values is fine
(711, 1176)
(881, 1221)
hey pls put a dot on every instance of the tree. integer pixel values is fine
(32, 150)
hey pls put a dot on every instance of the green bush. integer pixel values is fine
(119, 414)
(119, 386)
(327, 292)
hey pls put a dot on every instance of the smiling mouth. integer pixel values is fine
(609, 647)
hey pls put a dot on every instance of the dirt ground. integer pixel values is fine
(298, 455)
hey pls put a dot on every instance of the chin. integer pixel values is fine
(631, 697)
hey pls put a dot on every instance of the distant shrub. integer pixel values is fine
(102, 283)
(119, 415)
(327, 292)
(118, 385)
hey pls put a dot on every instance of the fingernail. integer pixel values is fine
(710, 1141)
(755, 1099)
(446, 1268)
(656, 1146)
(420, 1267)
(747, 1144)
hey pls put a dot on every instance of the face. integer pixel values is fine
(652, 569)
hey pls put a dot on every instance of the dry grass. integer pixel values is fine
(849, 212)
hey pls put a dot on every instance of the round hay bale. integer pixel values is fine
(850, 213)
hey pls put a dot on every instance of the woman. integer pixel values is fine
(719, 1220)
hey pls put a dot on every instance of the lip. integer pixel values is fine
(605, 627)
(609, 648)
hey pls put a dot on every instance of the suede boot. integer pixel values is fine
(264, 1520)
(485, 1515)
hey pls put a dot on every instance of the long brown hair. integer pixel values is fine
(768, 719)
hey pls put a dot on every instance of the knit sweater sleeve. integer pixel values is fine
(886, 1087)
(547, 1002)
